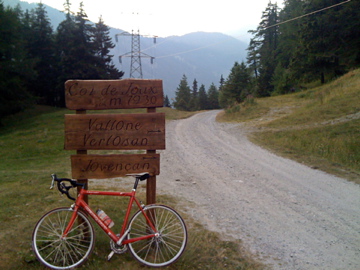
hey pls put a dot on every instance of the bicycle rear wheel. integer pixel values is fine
(161, 250)
(63, 253)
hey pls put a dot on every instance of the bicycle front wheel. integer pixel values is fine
(163, 249)
(57, 252)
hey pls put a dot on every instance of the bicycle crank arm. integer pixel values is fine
(110, 255)
(118, 243)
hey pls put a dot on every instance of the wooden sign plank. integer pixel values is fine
(115, 131)
(110, 166)
(113, 94)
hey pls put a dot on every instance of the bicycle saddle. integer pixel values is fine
(141, 176)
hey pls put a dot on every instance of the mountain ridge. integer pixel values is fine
(203, 56)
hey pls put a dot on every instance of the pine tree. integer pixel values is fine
(15, 69)
(103, 43)
(213, 97)
(194, 96)
(183, 95)
(41, 48)
(167, 102)
(76, 49)
(221, 82)
(64, 40)
(237, 86)
(284, 79)
(253, 56)
(268, 49)
(262, 51)
(84, 51)
(203, 98)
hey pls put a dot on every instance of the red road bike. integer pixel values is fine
(64, 238)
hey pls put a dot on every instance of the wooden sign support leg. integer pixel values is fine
(82, 152)
(82, 181)
(151, 182)
(151, 185)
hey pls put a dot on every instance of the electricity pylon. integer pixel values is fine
(135, 54)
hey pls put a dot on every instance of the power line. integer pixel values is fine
(192, 50)
(308, 14)
(216, 43)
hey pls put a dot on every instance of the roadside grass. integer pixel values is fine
(319, 127)
(261, 110)
(334, 149)
(31, 149)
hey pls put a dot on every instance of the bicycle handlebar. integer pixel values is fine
(62, 187)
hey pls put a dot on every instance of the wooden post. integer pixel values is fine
(82, 152)
(151, 185)
(151, 182)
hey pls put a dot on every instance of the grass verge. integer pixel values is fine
(31, 149)
(319, 127)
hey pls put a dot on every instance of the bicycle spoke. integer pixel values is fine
(56, 251)
(170, 239)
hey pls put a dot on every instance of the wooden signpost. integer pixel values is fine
(109, 166)
(115, 131)
(113, 94)
(144, 131)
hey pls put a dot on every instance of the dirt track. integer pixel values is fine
(292, 216)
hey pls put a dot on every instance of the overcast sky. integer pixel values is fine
(172, 17)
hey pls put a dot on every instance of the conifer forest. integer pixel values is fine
(302, 42)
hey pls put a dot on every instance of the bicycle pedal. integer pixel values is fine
(110, 255)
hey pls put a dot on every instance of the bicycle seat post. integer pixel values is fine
(139, 177)
(136, 183)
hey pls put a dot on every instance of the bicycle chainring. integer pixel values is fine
(118, 249)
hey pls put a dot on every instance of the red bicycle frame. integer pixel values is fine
(81, 204)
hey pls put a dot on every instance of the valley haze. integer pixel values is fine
(204, 56)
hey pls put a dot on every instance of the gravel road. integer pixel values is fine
(291, 216)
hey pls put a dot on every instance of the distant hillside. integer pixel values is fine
(201, 56)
